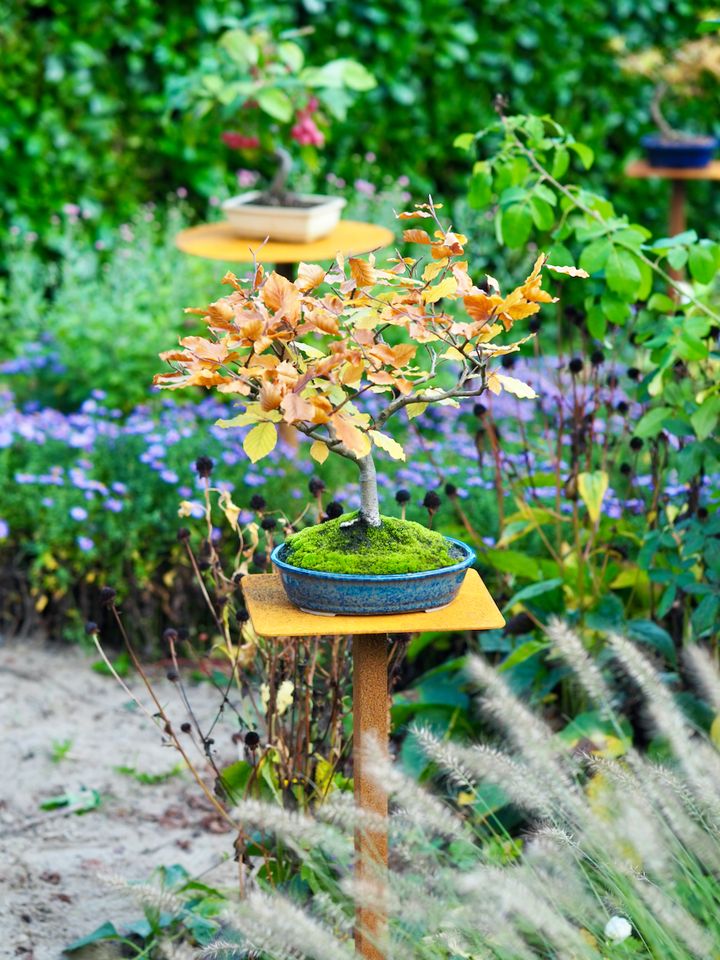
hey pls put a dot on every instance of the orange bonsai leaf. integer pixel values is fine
(305, 353)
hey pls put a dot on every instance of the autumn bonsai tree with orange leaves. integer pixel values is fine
(306, 353)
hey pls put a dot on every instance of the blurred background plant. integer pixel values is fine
(278, 106)
(86, 120)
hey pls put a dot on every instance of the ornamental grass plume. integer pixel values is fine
(619, 856)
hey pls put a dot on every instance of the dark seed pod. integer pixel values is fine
(450, 490)
(625, 469)
(636, 443)
(507, 361)
(173, 676)
(612, 381)
(186, 727)
(402, 496)
(316, 486)
(91, 628)
(170, 635)
(204, 466)
(597, 357)
(183, 534)
(622, 407)
(242, 615)
(334, 510)
(633, 373)
(252, 740)
(268, 523)
(479, 409)
(107, 596)
(575, 366)
(257, 502)
(431, 500)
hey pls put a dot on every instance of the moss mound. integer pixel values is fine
(343, 546)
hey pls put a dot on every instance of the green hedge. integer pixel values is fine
(83, 107)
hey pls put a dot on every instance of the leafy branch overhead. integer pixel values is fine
(417, 331)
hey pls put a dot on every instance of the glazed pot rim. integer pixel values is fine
(701, 142)
(467, 561)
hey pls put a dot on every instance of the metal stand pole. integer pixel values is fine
(371, 729)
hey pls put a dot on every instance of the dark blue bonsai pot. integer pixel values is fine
(680, 155)
(317, 591)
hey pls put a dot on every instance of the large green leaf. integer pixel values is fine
(622, 272)
(276, 104)
(516, 223)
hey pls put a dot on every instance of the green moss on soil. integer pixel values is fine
(397, 546)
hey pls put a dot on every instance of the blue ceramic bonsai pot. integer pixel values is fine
(317, 591)
(681, 154)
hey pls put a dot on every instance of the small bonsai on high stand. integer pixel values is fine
(689, 71)
(415, 332)
(281, 110)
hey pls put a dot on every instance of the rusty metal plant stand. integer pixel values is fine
(273, 615)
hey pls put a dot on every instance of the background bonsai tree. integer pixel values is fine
(690, 70)
(275, 104)
(306, 353)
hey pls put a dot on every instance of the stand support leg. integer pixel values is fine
(371, 728)
(677, 222)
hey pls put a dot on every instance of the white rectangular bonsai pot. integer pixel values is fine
(291, 224)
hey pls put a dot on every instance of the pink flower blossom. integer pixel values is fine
(247, 178)
(71, 209)
(312, 105)
(306, 132)
(370, 156)
(182, 192)
(239, 141)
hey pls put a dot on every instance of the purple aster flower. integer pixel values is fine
(4, 529)
(169, 476)
(113, 504)
(78, 513)
(85, 544)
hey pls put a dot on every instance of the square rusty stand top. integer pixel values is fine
(273, 615)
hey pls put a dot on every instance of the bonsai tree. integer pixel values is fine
(275, 104)
(305, 353)
(683, 73)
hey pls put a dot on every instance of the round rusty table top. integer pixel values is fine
(218, 241)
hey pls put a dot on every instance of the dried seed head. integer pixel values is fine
(268, 523)
(316, 486)
(91, 628)
(170, 635)
(204, 466)
(575, 366)
(431, 501)
(402, 496)
(183, 534)
(334, 510)
(257, 502)
(107, 596)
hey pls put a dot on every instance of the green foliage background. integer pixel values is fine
(85, 88)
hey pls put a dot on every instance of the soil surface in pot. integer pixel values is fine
(286, 200)
(350, 545)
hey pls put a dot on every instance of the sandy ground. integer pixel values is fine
(50, 864)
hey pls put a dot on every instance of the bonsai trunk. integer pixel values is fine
(668, 133)
(278, 187)
(369, 506)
